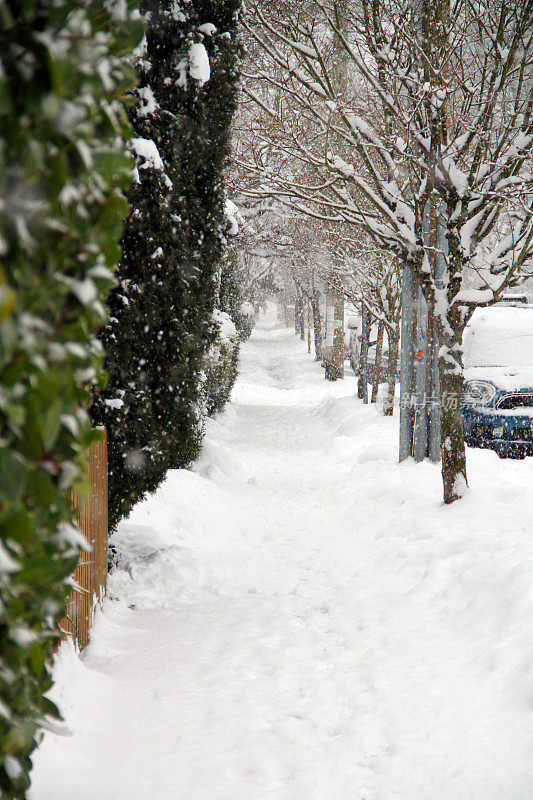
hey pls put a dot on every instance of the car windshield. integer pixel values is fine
(499, 337)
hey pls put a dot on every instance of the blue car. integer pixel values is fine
(498, 387)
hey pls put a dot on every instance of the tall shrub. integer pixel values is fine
(232, 297)
(62, 172)
(221, 364)
(161, 325)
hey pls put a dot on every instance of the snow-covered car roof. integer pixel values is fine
(499, 337)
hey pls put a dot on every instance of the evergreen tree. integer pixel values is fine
(161, 313)
(232, 297)
(231, 280)
(221, 364)
(62, 175)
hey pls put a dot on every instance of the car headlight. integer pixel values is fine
(478, 393)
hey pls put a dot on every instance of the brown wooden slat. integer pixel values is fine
(92, 571)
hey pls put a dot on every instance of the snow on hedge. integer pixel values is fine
(199, 67)
(147, 149)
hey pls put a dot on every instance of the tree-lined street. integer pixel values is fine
(266, 399)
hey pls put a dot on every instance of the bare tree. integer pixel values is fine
(435, 121)
(371, 278)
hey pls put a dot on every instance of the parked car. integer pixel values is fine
(498, 387)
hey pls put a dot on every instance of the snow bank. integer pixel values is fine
(247, 309)
(227, 330)
(233, 216)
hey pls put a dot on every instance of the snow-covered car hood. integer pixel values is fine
(508, 379)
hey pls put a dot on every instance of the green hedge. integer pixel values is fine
(160, 325)
(62, 175)
(232, 294)
(221, 365)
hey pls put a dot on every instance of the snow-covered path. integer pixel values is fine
(299, 618)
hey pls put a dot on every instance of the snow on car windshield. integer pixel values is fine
(499, 337)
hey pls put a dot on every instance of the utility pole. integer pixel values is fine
(333, 351)
(421, 345)
(419, 375)
(420, 422)
(308, 312)
(440, 266)
(420, 394)
(406, 362)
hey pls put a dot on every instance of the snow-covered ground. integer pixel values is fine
(301, 618)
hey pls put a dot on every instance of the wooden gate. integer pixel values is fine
(91, 572)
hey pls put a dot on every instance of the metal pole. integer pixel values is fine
(440, 267)
(420, 432)
(308, 312)
(406, 362)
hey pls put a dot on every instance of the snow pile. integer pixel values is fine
(151, 570)
(216, 464)
(226, 328)
(233, 216)
(247, 309)
(301, 617)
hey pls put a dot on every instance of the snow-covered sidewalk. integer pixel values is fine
(300, 617)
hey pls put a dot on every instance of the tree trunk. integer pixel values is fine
(308, 314)
(317, 327)
(407, 327)
(362, 388)
(450, 328)
(388, 400)
(297, 312)
(302, 319)
(338, 346)
(454, 476)
(377, 365)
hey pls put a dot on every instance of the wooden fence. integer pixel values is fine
(92, 570)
